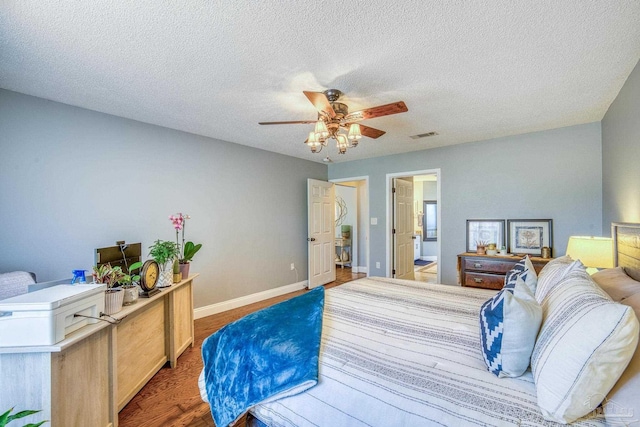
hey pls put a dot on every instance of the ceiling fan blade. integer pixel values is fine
(288, 123)
(371, 132)
(379, 111)
(320, 101)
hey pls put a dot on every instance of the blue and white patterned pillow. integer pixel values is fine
(524, 269)
(509, 324)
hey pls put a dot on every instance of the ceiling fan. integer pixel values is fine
(334, 116)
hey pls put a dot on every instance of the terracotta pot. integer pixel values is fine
(481, 250)
(184, 269)
(113, 299)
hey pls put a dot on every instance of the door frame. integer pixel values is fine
(366, 226)
(389, 202)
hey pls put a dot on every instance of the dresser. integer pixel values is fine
(87, 378)
(488, 271)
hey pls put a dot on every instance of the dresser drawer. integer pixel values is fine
(483, 280)
(484, 264)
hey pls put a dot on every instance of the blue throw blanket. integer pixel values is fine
(266, 355)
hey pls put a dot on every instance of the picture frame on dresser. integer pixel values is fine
(529, 236)
(485, 230)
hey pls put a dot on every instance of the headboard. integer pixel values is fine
(626, 247)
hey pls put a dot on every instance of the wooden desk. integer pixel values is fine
(87, 378)
(488, 271)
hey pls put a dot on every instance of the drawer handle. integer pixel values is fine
(475, 279)
(477, 265)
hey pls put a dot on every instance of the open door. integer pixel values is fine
(403, 229)
(321, 232)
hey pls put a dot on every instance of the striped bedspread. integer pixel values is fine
(404, 353)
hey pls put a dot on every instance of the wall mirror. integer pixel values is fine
(430, 221)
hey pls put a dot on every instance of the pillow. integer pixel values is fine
(584, 345)
(616, 283)
(509, 324)
(524, 269)
(551, 274)
(624, 398)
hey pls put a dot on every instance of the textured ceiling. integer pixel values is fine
(467, 70)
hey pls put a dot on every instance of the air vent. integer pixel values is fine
(423, 135)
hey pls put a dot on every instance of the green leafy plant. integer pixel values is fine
(6, 418)
(108, 275)
(163, 250)
(189, 251)
(130, 280)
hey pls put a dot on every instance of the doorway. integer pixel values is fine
(426, 224)
(357, 217)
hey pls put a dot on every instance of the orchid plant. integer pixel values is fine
(187, 250)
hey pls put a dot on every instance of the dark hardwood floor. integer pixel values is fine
(172, 397)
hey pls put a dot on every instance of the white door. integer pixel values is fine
(403, 229)
(320, 213)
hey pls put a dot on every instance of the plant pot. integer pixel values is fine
(177, 277)
(481, 250)
(184, 269)
(130, 295)
(113, 299)
(165, 278)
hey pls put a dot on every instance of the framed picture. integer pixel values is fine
(484, 230)
(529, 236)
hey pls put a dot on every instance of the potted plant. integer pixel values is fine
(6, 418)
(481, 247)
(130, 284)
(164, 252)
(110, 276)
(189, 249)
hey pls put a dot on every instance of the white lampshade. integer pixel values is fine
(342, 143)
(354, 133)
(312, 142)
(321, 130)
(594, 252)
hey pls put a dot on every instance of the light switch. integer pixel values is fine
(374, 221)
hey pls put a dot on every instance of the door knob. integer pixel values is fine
(311, 239)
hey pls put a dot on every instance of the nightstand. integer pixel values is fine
(488, 271)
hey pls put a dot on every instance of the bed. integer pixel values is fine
(405, 353)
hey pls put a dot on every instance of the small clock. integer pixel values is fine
(149, 278)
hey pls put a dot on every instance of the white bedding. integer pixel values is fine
(404, 353)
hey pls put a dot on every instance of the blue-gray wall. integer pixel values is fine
(553, 174)
(621, 156)
(72, 180)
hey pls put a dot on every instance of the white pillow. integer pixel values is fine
(584, 345)
(623, 401)
(552, 273)
(524, 269)
(509, 324)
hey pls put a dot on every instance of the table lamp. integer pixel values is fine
(594, 252)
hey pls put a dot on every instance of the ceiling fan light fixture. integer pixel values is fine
(321, 131)
(354, 133)
(313, 143)
(342, 143)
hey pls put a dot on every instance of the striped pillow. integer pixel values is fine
(584, 345)
(552, 273)
(509, 324)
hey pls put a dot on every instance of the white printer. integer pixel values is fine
(47, 316)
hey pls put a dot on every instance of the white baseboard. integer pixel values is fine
(429, 258)
(357, 269)
(219, 307)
